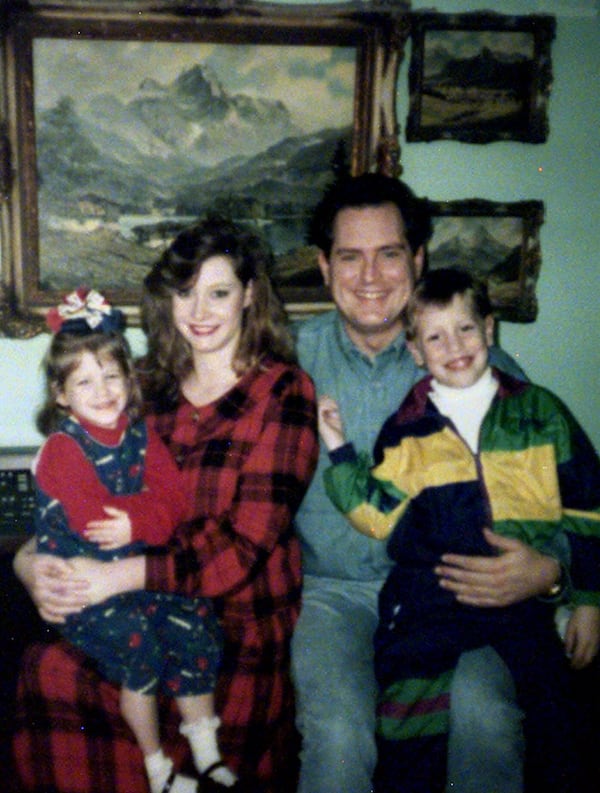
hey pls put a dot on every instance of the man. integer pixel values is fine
(371, 232)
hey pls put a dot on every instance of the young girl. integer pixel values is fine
(108, 487)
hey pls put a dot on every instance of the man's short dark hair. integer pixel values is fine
(370, 190)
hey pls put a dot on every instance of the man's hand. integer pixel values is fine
(517, 573)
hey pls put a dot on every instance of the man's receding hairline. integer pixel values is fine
(403, 232)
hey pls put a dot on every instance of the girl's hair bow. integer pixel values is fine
(85, 311)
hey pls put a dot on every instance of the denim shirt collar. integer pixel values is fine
(352, 352)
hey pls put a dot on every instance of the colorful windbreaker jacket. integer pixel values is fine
(535, 474)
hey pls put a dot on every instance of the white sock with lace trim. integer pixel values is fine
(159, 768)
(202, 735)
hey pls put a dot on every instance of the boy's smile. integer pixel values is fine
(452, 342)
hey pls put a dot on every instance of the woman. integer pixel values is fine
(239, 418)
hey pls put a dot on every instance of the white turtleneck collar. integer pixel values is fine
(466, 407)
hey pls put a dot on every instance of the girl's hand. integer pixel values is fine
(582, 638)
(111, 533)
(330, 423)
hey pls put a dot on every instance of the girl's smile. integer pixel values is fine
(96, 390)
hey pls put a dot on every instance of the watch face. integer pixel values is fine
(557, 588)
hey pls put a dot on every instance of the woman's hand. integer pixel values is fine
(582, 637)
(98, 577)
(105, 579)
(517, 573)
(60, 587)
(51, 583)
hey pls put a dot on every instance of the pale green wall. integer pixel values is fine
(562, 348)
(559, 350)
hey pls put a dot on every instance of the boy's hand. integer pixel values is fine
(330, 423)
(111, 533)
(582, 638)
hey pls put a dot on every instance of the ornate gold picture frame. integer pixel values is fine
(125, 124)
(479, 77)
(497, 242)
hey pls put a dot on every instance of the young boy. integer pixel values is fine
(470, 450)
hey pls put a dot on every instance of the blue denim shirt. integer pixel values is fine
(368, 390)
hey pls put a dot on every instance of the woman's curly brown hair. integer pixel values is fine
(264, 327)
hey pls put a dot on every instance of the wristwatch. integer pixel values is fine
(557, 589)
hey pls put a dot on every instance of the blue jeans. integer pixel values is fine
(332, 665)
(336, 691)
(486, 746)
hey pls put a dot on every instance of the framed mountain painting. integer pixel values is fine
(129, 126)
(498, 243)
(479, 77)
